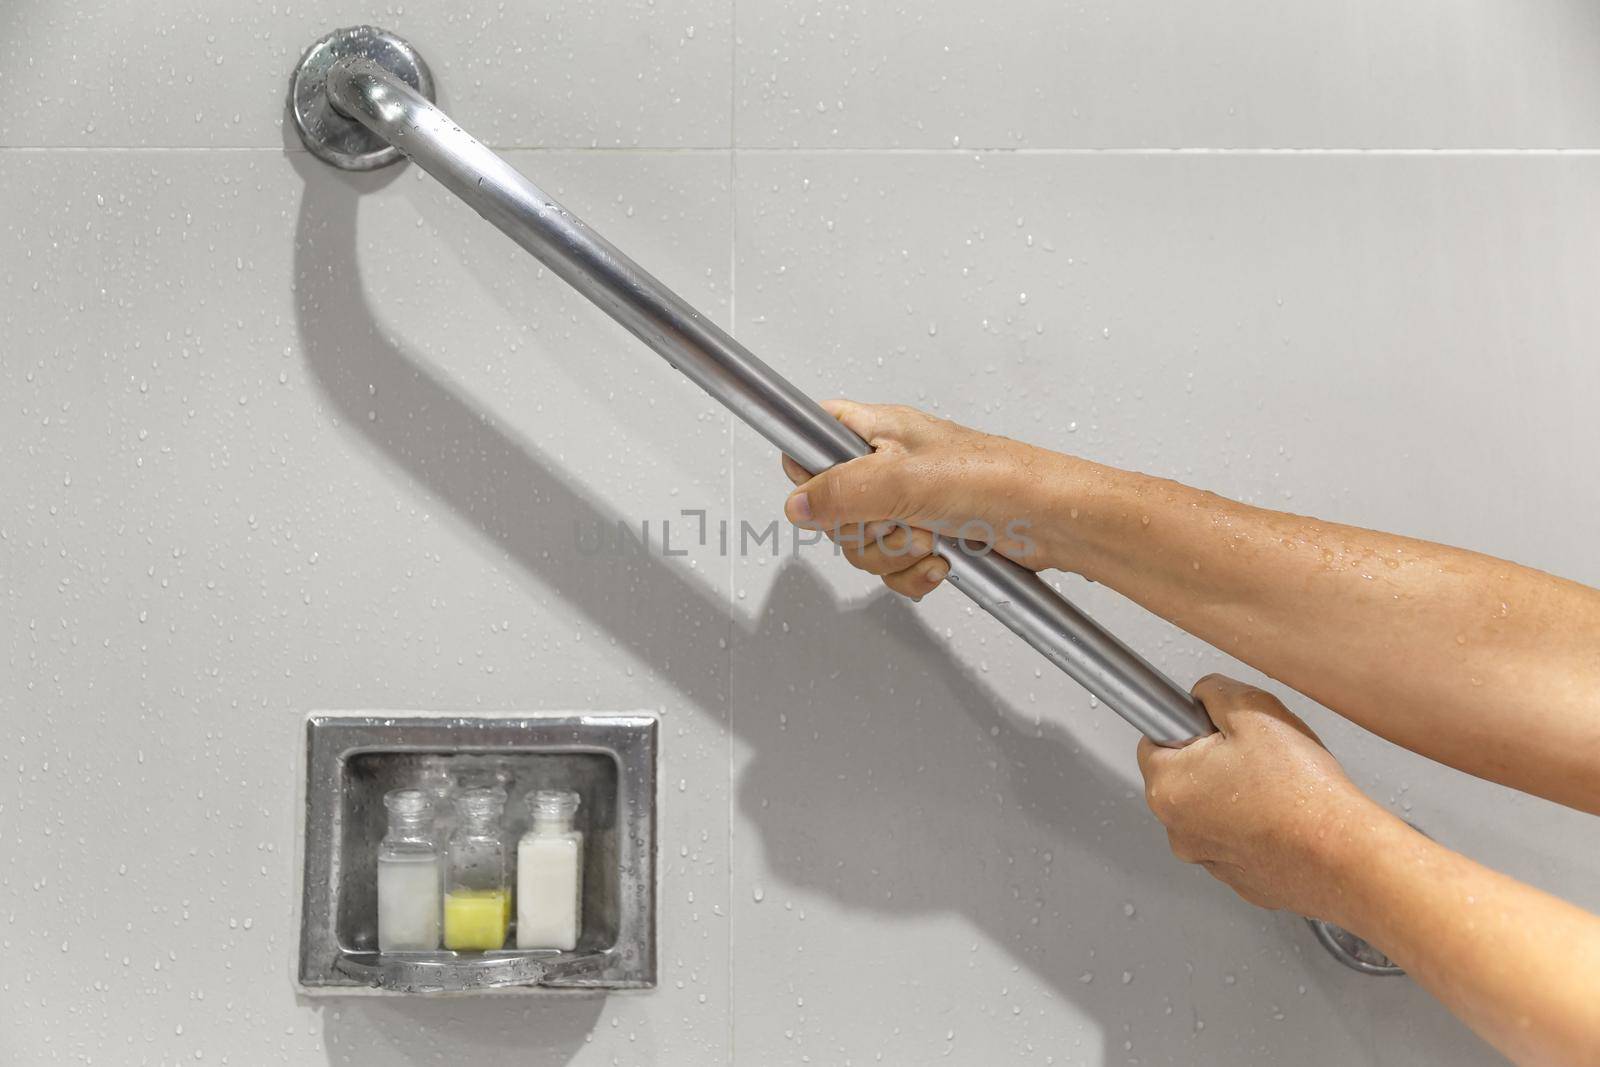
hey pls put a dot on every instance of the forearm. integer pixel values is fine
(1483, 664)
(1517, 965)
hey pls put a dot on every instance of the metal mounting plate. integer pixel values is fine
(450, 972)
(327, 134)
(1356, 953)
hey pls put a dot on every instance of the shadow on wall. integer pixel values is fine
(913, 736)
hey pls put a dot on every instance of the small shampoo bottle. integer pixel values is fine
(477, 900)
(408, 876)
(550, 873)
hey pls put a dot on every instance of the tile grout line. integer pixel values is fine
(733, 507)
(863, 150)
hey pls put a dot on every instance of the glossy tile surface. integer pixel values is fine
(941, 846)
(204, 73)
(1108, 73)
(279, 441)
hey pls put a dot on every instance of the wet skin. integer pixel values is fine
(1486, 665)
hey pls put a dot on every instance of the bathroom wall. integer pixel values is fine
(277, 438)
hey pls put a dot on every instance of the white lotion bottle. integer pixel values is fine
(550, 873)
(408, 876)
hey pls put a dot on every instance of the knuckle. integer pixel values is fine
(892, 533)
(852, 546)
(1181, 848)
(1160, 800)
(820, 494)
(901, 584)
(876, 562)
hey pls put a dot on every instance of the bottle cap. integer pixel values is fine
(407, 802)
(482, 801)
(552, 803)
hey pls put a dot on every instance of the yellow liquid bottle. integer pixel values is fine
(476, 920)
(477, 897)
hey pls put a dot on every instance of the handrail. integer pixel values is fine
(361, 89)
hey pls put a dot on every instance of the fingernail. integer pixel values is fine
(798, 508)
(937, 572)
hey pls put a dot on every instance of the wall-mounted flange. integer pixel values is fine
(335, 138)
(1356, 953)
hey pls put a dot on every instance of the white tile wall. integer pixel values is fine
(214, 73)
(276, 438)
(279, 440)
(1149, 74)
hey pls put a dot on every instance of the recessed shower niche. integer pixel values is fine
(603, 764)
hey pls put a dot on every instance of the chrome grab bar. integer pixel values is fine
(353, 69)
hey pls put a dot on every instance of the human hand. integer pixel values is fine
(927, 475)
(1260, 803)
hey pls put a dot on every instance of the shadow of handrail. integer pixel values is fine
(867, 800)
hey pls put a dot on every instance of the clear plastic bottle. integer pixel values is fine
(408, 875)
(477, 892)
(550, 873)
